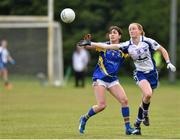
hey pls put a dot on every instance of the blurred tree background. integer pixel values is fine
(95, 17)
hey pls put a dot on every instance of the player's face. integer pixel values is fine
(114, 36)
(134, 31)
(4, 43)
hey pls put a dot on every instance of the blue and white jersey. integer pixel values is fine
(142, 54)
(4, 53)
(1, 60)
(1, 52)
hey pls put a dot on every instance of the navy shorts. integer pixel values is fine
(3, 65)
(151, 77)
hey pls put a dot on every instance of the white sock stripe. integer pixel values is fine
(142, 108)
(140, 120)
(86, 116)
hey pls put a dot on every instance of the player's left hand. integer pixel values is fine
(84, 43)
(171, 67)
(13, 62)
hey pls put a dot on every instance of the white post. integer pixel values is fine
(50, 39)
(173, 38)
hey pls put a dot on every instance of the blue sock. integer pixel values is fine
(125, 114)
(89, 114)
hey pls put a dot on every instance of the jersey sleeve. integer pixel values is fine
(6, 52)
(124, 47)
(98, 49)
(155, 45)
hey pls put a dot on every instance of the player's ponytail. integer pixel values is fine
(140, 27)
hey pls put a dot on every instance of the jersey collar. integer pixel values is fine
(141, 39)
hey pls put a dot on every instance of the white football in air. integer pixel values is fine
(67, 15)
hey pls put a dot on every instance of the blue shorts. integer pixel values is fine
(151, 77)
(106, 79)
(3, 65)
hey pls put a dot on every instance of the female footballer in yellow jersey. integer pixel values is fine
(105, 78)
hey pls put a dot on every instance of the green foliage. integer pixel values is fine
(23, 7)
(5, 7)
(95, 17)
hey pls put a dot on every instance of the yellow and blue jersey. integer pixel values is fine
(109, 63)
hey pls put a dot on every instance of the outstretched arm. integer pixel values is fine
(90, 47)
(11, 60)
(105, 46)
(89, 44)
(86, 42)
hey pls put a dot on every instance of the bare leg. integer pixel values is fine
(144, 106)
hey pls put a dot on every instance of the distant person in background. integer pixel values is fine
(5, 57)
(80, 61)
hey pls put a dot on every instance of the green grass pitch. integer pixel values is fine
(30, 111)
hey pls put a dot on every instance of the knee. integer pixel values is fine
(101, 106)
(148, 95)
(124, 101)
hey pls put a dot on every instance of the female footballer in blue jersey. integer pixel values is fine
(140, 49)
(105, 78)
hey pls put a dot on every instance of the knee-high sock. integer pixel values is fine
(145, 108)
(125, 114)
(139, 117)
(89, 114)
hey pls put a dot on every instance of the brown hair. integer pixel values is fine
(119, 30)
(140, 27)
(116, 28)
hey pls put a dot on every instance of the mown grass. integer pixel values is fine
(32, 111)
